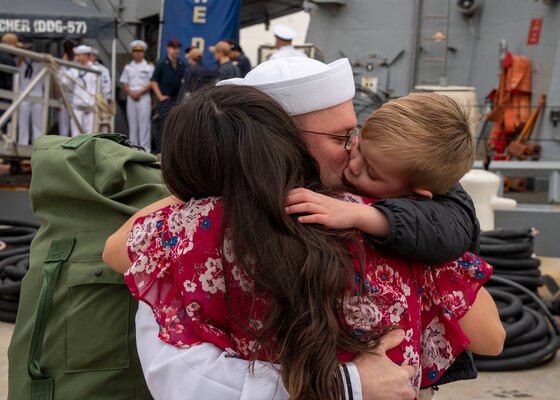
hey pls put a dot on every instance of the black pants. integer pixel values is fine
(163, 109)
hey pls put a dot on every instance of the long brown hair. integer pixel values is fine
(237, 143)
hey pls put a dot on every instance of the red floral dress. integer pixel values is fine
(177, 269)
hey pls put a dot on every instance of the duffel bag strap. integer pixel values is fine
(42, 387)
(77, 141)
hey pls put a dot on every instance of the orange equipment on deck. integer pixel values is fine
(512, 103)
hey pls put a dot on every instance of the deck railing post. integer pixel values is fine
(554, 187)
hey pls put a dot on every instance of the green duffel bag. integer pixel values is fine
(74, 336)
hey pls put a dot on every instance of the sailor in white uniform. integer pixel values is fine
(83, 85)
(105, 74)
(63, 114)
(135, 79)
(284, 36)
(28, 111)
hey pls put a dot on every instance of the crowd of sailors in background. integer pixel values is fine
(170, 79)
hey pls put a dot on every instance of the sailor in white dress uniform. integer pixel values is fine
(284, 36)
(83, 84)
(136, 82)
(28, 111)
(105, 74)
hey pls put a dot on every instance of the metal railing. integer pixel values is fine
(524, 169)
(50, 74)
(4, 94)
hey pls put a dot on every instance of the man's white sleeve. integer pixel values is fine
(351, 381)
(106, 87)
(200, 372)
(67, 76)
(124, 75)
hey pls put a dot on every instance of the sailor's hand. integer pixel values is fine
(381, 378)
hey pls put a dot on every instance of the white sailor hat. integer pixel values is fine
(82, 49)
(138, 45)
(95, 50)
(284, 32)
(300, 84)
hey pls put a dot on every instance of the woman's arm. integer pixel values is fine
(483, 327)
(114, 253)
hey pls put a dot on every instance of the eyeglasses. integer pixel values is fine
(349, 136)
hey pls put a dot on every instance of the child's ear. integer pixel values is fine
(422, 193)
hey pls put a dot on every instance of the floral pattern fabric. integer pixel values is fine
(180, 269)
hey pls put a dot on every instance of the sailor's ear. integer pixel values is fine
(422, 193)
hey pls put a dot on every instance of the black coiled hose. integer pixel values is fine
(15, 239)
(532, 338)
(532, 332)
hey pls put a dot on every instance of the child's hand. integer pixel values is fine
(335, 213)
(324, 210)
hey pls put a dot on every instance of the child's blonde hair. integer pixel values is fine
(430, 133)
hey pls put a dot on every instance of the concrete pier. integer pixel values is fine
(541, 383)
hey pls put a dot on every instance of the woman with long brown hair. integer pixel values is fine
(237, 144)
(222, 262)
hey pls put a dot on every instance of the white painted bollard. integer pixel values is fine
(483, 187)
